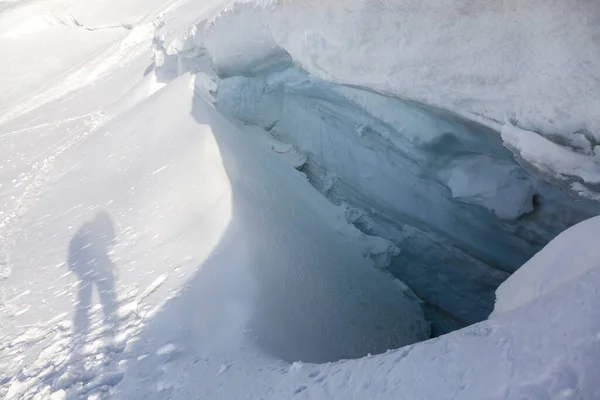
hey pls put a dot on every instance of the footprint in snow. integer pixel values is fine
(300, 389)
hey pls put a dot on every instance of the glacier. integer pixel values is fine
(309, 199)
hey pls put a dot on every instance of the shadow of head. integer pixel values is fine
(94, 237)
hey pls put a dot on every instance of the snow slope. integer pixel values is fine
(59, 35)
(152, 248)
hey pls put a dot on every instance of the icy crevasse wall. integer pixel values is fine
(443, 188)
(533, 65)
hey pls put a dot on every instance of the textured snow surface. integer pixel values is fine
(153, 247)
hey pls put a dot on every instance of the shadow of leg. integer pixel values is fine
(109, 302)
(81, 320)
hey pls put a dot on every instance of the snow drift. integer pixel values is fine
(569, 257)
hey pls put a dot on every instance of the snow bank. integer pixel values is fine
(487, 63)
(579, 172)
(425, 178)
(567, 258)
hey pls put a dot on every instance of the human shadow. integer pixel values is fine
(89, 259)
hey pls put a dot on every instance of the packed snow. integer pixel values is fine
(276, 199)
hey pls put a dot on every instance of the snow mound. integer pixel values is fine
(569, 257)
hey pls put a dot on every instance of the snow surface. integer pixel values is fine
(152, 247)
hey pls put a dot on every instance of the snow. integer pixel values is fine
(502, 189)
(500, 358)
(568, 258)
(192, 205)
(554, 161)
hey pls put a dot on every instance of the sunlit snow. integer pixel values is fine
(299, 199)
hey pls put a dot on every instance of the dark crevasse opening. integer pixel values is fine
(461, 211)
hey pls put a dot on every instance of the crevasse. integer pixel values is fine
(443, 188)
